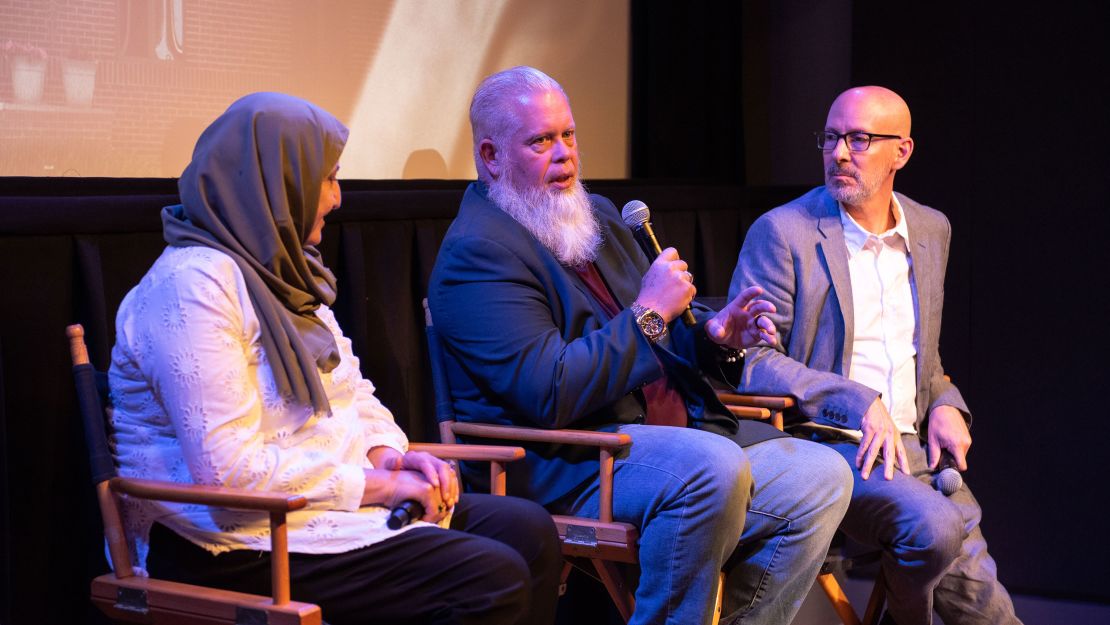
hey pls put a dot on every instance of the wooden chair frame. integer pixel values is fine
(124, 596)
(601, 544)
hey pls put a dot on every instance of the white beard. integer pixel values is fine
(563, 221)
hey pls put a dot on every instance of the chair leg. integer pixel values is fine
(838, 599)
(875, 603)
(567, 566)
(618, 588)
(623, 597)
(720, 599)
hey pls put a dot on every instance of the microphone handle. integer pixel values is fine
(688, 317)
(646, 237)
(947, 461)
(406, 512)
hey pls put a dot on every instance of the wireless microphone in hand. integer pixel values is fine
(408, 511)
(946, 477)
(637, 217)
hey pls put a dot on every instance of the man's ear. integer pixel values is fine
(905, 150)
(491, 157)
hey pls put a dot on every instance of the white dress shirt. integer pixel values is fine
(883, 352)
(191, 389)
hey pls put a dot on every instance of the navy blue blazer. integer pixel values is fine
(527, 344)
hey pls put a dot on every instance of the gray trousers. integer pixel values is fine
(934, 554)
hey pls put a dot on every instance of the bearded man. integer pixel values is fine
(856, 274)
(552, 317)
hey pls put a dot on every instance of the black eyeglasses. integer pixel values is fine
(856, 141)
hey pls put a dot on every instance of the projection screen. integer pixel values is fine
(122, 88)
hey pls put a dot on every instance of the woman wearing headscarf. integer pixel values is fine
(229, 369)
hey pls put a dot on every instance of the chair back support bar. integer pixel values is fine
(102, 465)
(91, 406)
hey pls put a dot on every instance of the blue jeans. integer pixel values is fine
(687, 491)
(802, 491)
(690, 491)
(934, 554)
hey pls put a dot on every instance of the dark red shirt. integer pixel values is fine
(664, 403)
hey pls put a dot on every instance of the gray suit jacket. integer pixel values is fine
(796, 252)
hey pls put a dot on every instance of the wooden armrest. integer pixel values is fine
(487, 453)
(762, 407)
(756, 401)
(277, 504)
(536, 435)
(185, 603)
(607, 442)
(749, 412)
(590, 538)
(208, 495)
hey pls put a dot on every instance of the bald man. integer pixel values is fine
(856, 274)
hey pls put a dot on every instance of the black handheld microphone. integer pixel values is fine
(637, 217)
(946, 477)
(410, 510)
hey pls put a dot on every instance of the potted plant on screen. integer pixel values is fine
(78, 78)
(27, 63)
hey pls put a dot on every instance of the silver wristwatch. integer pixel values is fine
(650, 322)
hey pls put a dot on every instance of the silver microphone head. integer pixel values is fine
(635, 213)
(948, 481)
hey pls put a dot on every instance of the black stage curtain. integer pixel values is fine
(686, 104)
(1026, 276)
(70, 249)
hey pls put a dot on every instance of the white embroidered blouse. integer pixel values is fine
(191, 389)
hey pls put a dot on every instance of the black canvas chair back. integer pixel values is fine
(92, 399)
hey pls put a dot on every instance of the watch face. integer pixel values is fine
(652, 324)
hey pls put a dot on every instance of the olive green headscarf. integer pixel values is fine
(252, 192)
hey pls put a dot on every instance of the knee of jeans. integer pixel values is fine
(721, 464)
(745, 485)
(827, 480)
(729, 474)
(838, 477)
(948, 533)
(936, 536)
